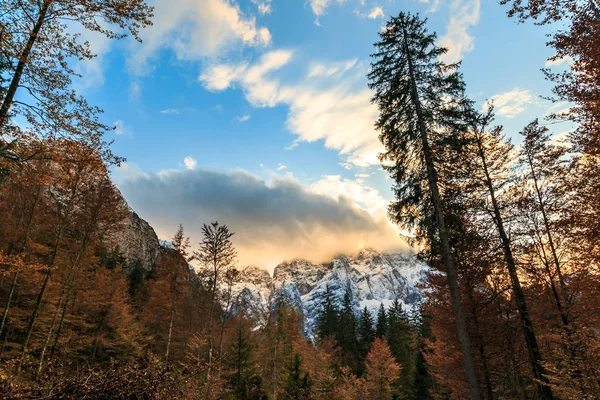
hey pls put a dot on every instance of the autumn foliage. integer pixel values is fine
(510, 305)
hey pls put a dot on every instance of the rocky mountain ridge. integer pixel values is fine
(371, 278)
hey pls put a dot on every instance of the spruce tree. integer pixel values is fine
(381, 327)
(242, 378)
(422, 105)
(366, 331)
(346, 331)
(366, 336)
(400, 338)
(327, 321)
(423, 383)
(298, 384)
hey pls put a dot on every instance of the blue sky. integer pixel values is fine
(271, 93)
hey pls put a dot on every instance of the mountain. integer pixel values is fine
(372, 278)
(135, 238)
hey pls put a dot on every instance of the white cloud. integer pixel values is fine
(264, 7)
(292, 146)
(457, 39)
(337, 111)
(357, 191)
(561, 138)
(120, 128)
(376, 12)
(169, 111)
(561, 109)
(512, 103)
(189, 162)
(135, 91)
(243, 118)
(340, 116)
(281, 167)
(127, 171)
(559, 61)
(318, 7)
(433, 5)
(196, 29)
(564, 112)
(221, 76)
(330, 69)
(217, 108)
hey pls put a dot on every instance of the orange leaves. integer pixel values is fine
(349, 386)
(11, 264)
(382, 371)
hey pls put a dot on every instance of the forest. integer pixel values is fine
(511, 233)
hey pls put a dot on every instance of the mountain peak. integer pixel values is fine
(371, 277)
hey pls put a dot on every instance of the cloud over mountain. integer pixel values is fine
(274, 220)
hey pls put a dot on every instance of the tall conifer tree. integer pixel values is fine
(346, 331)
(366, 331)
(242, 377)
(381, 327)
(421, 102)
(328, 318)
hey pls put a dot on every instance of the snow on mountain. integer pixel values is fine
(372, 278)
(252, 293)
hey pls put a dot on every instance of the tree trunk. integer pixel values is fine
(40, 297)
(23, 248)
(210, 338)
(170, 333)
(31, 215)
(565, 313)
(39, 301)
(10, 296)
(62, 320)
(51, 330)
(222, 326)
(23, 61)
(452, 276)
(36, 309)
(542, 206)
(489, 391)
(535, 356)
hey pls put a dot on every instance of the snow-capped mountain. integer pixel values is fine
(371, 278)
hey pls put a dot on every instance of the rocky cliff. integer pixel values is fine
(135, 239)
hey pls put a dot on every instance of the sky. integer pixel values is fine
(256, 113)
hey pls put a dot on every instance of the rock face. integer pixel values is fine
(251, 293)
(370, 277)
(135, 239)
